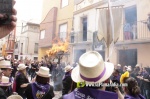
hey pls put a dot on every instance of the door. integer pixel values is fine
(128, 57)
(78, 53)
(102, 54)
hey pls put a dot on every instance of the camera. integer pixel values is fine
(6, 11)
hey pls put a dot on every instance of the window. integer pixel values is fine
(35, 58)
(64, 3)
(16, 56)
(63, 31)
(16, 45)
(84, 28)
(42, 34)
(128, 57)
(36, 48)
(130, 24)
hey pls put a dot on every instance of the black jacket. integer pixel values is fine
(21, 79)
(68, 85)
(2, 94)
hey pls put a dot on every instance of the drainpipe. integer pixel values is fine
(27, 44)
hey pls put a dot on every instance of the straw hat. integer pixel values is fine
(15, 97)
(68, 68)
(43, 72)
(137, 65)
(5, 81)
(92, 68)
(119, 65)
(21, 67)
(5, 64)
(129, 68)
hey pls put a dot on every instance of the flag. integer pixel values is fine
(4, 50)
(105, 25)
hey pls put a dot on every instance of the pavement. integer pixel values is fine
(58, 94)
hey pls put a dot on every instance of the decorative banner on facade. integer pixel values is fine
(77, 1)
(105, 28)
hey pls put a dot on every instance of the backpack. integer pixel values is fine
(15, 83)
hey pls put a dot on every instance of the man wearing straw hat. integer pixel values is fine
(7, 70)
(92, 70)
(4, 85)
(119, 69)
(6, 67)
(67, 81)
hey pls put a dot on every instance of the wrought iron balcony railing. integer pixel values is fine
(137, 31)
(81, 36)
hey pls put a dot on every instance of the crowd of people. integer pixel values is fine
(73, 80)
(91, 78)
(14, 79)
(131, 83)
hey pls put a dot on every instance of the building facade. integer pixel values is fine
(26, 45)
(57, 23)
(130, 49)
(7, 44)
(85, 25)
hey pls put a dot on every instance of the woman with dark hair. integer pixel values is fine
(21, 80)
(132, 90)
(40, 89)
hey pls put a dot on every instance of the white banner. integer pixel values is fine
(105, 24)
(77, 1)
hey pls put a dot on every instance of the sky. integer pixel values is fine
(28, 10)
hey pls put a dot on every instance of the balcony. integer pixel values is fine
(139, 32)
(81, 37)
